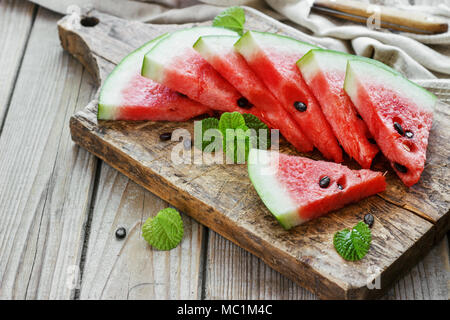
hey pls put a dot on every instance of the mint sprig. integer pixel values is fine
(353, 244)
(208, 141)
(253, 122)
(241, 140)
(232, 18)
(165, 230)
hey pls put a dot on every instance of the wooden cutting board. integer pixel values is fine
(407, 221)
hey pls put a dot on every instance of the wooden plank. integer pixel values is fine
(16, 19)
(130, 268)
(233, 273)
(46, 181)
(231, 207)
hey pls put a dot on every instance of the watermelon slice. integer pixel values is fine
(324, 73)
(272, 57)
(398, 113)
(126, 95)
(297, 189)
(174, 63)
(220, 53)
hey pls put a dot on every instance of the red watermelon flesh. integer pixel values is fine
(126, 95)
(324, 72)
(220, 53)
(398, 113)
(272, 57)
(290, 186)
(174, 63)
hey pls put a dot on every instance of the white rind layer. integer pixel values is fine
(161, 55)
(111, 98)
(212, 46)
(253, 41)
(361, 73)
(262, 169)
(329, 60)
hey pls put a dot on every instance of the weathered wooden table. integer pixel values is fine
(60, 206)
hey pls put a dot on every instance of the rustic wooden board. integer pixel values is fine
(222, 198)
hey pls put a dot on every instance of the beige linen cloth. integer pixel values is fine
(423, 58)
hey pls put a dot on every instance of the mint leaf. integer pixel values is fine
(236, 143)
(353, 244)
(208, 123)
(232, 18)
(253, 122)
(165, 230)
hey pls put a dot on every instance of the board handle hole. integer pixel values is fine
(89, 21)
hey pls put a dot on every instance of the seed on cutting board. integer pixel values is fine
(300, 106)
(369, 219)
(121, 233)
(324, 182)
(400, 168)
(409, 134)
(244, 103)
(165, 136)
(399, 128)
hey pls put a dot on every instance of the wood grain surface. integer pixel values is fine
(46, 181)
(222, 198)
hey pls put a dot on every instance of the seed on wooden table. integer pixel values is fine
(324, 182)
(121, 233)
(165, 136)
(300, 106)
(369, 219)
(399, 128)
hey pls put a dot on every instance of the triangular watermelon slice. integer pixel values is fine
(126, 95)
(297, 189)
(174, 63)
(220, 53)
(272, 57)
(324, 72)
(398, 113)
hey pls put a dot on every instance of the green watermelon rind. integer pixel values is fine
(394, 76)
(201, 45)
(304, 61)
(108, 111)
(273, 195)
(156, 60)
(250, 39)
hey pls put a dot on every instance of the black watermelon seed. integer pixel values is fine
(368, 219)
(399, 128)
(324, 182)
(182, 94)
(359, 116)
(340, 187)
(244, 103)
(400, 168)
(300, 106)
(165, 136)
(372, 141)
(187, 144)
(409, 134)
(121, 233)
